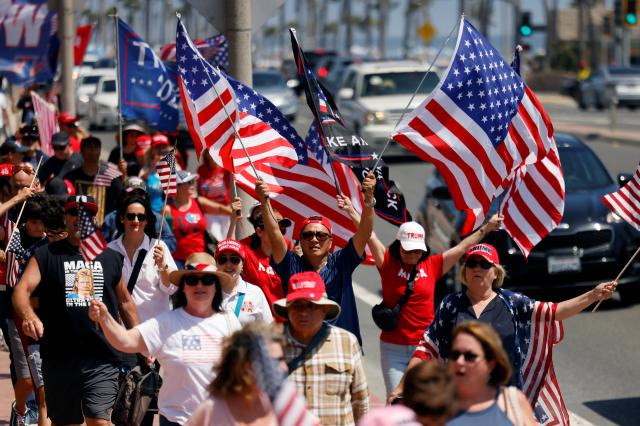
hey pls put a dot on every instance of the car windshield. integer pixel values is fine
(109, 86)
(397, 83)
(90, 79)
(267, 80)
(582, 170)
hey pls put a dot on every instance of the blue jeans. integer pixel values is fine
(394, 360)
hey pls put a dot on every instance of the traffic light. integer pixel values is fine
(630, 13)
(525, 28)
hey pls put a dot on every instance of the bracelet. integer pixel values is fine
(370, 203)
(164, 268)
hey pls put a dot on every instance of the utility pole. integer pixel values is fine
(238, 33)
(66, 34)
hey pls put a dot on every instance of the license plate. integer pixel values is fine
(556, 265)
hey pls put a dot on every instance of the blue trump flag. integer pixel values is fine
(148, 92)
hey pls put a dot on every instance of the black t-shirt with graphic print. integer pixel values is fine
(68, 284)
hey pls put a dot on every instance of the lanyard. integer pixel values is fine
(239, 305)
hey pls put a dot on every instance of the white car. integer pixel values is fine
(373, 96)
(103, 103)
(86, 87)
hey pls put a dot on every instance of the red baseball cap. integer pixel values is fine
(230, 245)
(485, 251)
(86, 200)
(308, 286)
(67, 118)
(317, 219)
(6, 169)
(159, 139)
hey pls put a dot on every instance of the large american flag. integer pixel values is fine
(625, 202)
(92, 243)
(478, 126)
(107, 173)
(47, 117)
(214, 49)
(536, 332)
(166, 169)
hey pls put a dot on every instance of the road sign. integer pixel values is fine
(426, 32)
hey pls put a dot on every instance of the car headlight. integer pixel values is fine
(613, 218)
(374, 117)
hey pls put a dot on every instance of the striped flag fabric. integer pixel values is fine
(15, 254)
(47, 118)
(166, 169)
(92, 243)
(625, 202)
(214, 49)
(478, 126)
(107, 173)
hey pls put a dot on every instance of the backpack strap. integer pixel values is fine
(315, 342)
(136, 270)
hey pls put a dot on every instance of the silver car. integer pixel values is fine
(611, 84)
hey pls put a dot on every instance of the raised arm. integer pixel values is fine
(278, 243)
(236, 206)
(31, 324)
(453, 255)
(571, 307)
(365, 228)
(375, 245)
(129, 341)
(212, 207)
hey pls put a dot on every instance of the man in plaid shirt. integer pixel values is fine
(325, 362)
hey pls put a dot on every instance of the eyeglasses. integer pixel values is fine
(221, 260)
(59, 147)
(132, 216)
(27, 168)
(484, 264)
(320, 236)
(193, 280)
(469, 356)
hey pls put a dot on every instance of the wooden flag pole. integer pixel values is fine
(35, 174)
(620, 274)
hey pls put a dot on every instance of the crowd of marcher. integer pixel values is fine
(235, 327)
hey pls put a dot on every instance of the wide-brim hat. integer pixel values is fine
(307, 286)
(199, 264)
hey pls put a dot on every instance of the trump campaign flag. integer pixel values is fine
(147, 93)
(478, 126)
(625, 202)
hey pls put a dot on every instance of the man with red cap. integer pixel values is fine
(316, 242)
(79, 366)
(325, 362)
(129, 166)
(69, 124)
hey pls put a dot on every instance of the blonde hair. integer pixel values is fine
(233, 372)
(491, 346)
(501, 273)
(86, 273)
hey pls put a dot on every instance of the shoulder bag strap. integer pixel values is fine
(239, 305)
(315, 342)
(409, 289)
(136, 270)
(513, 401)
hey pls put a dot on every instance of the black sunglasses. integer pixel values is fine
(484, 264)
(320, 236)
(59, 147)
(468, 356)
(192, 280)
(132, 216)
(221, 260)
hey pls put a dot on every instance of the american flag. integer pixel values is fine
(16, 255)
(92, 243)
(107, 173)
(200, 348)
(47, 122)
(166, 169)
(210, 110)
(478, 126)
(536, 332)
(625, 202)
(214, 49)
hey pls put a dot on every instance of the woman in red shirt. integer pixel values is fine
(395, 265)
(213, 184)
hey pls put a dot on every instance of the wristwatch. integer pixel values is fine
(372, 203)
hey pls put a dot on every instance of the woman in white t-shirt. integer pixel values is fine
(187, 341)
(245, 300)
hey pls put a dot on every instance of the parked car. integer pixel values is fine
(374, 95)
(326, 69)
(272, 85)
(103, 103)
(608, 84)
(86, 86)
(590, 245)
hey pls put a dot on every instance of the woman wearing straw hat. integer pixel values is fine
(187, 341)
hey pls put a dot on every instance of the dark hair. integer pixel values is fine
(34, 208)
(53, 213)
(180, 300)
(394, 251)
(150, 227)
(90, 140)
(429, 390)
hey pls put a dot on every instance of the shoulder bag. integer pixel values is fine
(315, 342)
(136, 270)
(387, 318)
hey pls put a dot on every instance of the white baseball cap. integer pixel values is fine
(411, 236)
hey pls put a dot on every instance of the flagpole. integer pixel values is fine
(35, 174)
(620, 274)
(115, 20)
(384, 148)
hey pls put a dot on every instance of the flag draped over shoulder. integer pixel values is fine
(625, 202)
(47, 117)
(478, 126)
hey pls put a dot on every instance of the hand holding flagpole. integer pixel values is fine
(33, 180)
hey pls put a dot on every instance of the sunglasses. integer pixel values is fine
(28, 169)
(59, 147)
(193, 280)
(469, 356)
(320, 236)
(221, 260)
(484, 264)
(132, 216)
